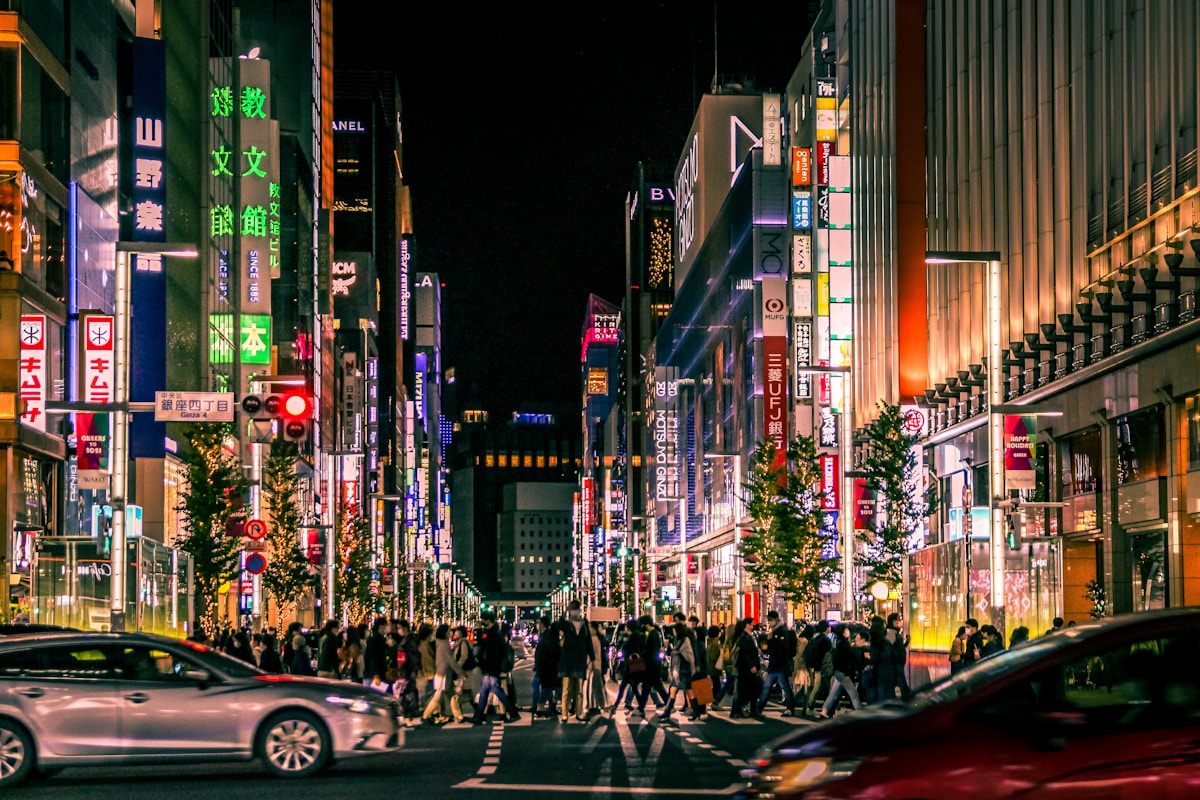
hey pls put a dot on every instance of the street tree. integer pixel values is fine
(902, 501)
(788, 548)
(288, 575)
(216, 484)
(352, 577)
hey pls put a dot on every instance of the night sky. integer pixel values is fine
(522, 132)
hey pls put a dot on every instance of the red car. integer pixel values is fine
(1103, 710)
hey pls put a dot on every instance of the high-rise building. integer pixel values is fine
(535, 445)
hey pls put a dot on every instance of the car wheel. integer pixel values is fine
(16, 754)
(293, 744)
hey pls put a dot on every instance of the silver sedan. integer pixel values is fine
(103, 699)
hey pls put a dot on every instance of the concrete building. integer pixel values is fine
(535, 528)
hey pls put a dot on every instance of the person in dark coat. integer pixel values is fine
(844, 666)
(375, 666)
(747, 662)
(652, 677)
(240, 648)
(545, 668)
(490, 646)
(268, 656)
(576, 643)
(633, 669)
(302, 660)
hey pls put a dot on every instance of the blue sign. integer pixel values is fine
(802, 211)
(148, 278)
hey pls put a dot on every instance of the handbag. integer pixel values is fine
(636, 665)
(703, 689)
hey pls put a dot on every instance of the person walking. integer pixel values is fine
(898, 648)
(633, 673)
(328, 643)
(843, 672)
(575, 643)
(446, 671)
(597, 691)
(428, 661)
(375, 664)
(818, 660)
(958, 647)
(268, 656)
(682, 660)
(781, 651)
(652, 680)
(744, 654)
(545, 669)
(302, 656)
(489, 653)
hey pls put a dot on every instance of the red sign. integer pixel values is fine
(801, 166)
(589, 512)
(864, 505)
(775, 382)
(350, 494)
(99, 362)
(255, 529)
(830, 482)
(824, 151)
(750, 606)
(31, 369)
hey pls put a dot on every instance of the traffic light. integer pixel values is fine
(296, 410)
(1010, 532)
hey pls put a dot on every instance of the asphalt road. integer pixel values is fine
(542, 758)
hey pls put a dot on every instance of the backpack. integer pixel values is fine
(470, 663)
(814, 654)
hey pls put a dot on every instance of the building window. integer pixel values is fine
(1080, 463)
(504, 459)
(1193, 432)
(528, 461)
(541, 461)
(489, 460)
(1141, 446)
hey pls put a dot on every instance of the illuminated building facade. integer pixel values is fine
(1057, 140)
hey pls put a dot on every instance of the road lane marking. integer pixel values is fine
(723, 753)
(641, 775)
(479, 783)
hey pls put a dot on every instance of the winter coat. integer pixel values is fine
(545, 657)
(375, 657)
(445, 663)
(489, 650)
(576, 645)
(683, 659)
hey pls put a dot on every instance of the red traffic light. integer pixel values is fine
(297, 406)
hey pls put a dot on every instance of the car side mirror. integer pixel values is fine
(200, 676)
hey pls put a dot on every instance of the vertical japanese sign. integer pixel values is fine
(664, 430)
(32, 371)
(774, 366)
(99, 364)
(1020, 436)
(147, 279)
(771, 136)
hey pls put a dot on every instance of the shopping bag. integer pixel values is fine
(703, 689)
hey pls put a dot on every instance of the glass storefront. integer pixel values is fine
(73, 585)
(951, 581)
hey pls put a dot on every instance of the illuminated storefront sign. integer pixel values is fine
(826, 108)
(254, 339)
(99, 362)
(597, 380)
(665, 432)
(774, 374)
(803, 346)
(802, 255)
(801, 211)
(831, 482)
(1020, 437)
(405, 293)
(685, 197)
(772, 152)
(801, 166)
(32, 372)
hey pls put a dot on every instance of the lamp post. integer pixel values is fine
(995, 434)
(120, 431)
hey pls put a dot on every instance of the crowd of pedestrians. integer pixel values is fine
(447, 674)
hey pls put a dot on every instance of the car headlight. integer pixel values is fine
(355, 704)
(794, 775)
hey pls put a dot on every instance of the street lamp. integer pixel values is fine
(120, 473)
(995, 419)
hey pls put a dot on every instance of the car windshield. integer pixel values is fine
(988, 671)
(226, 665)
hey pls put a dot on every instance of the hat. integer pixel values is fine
(972, 622)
